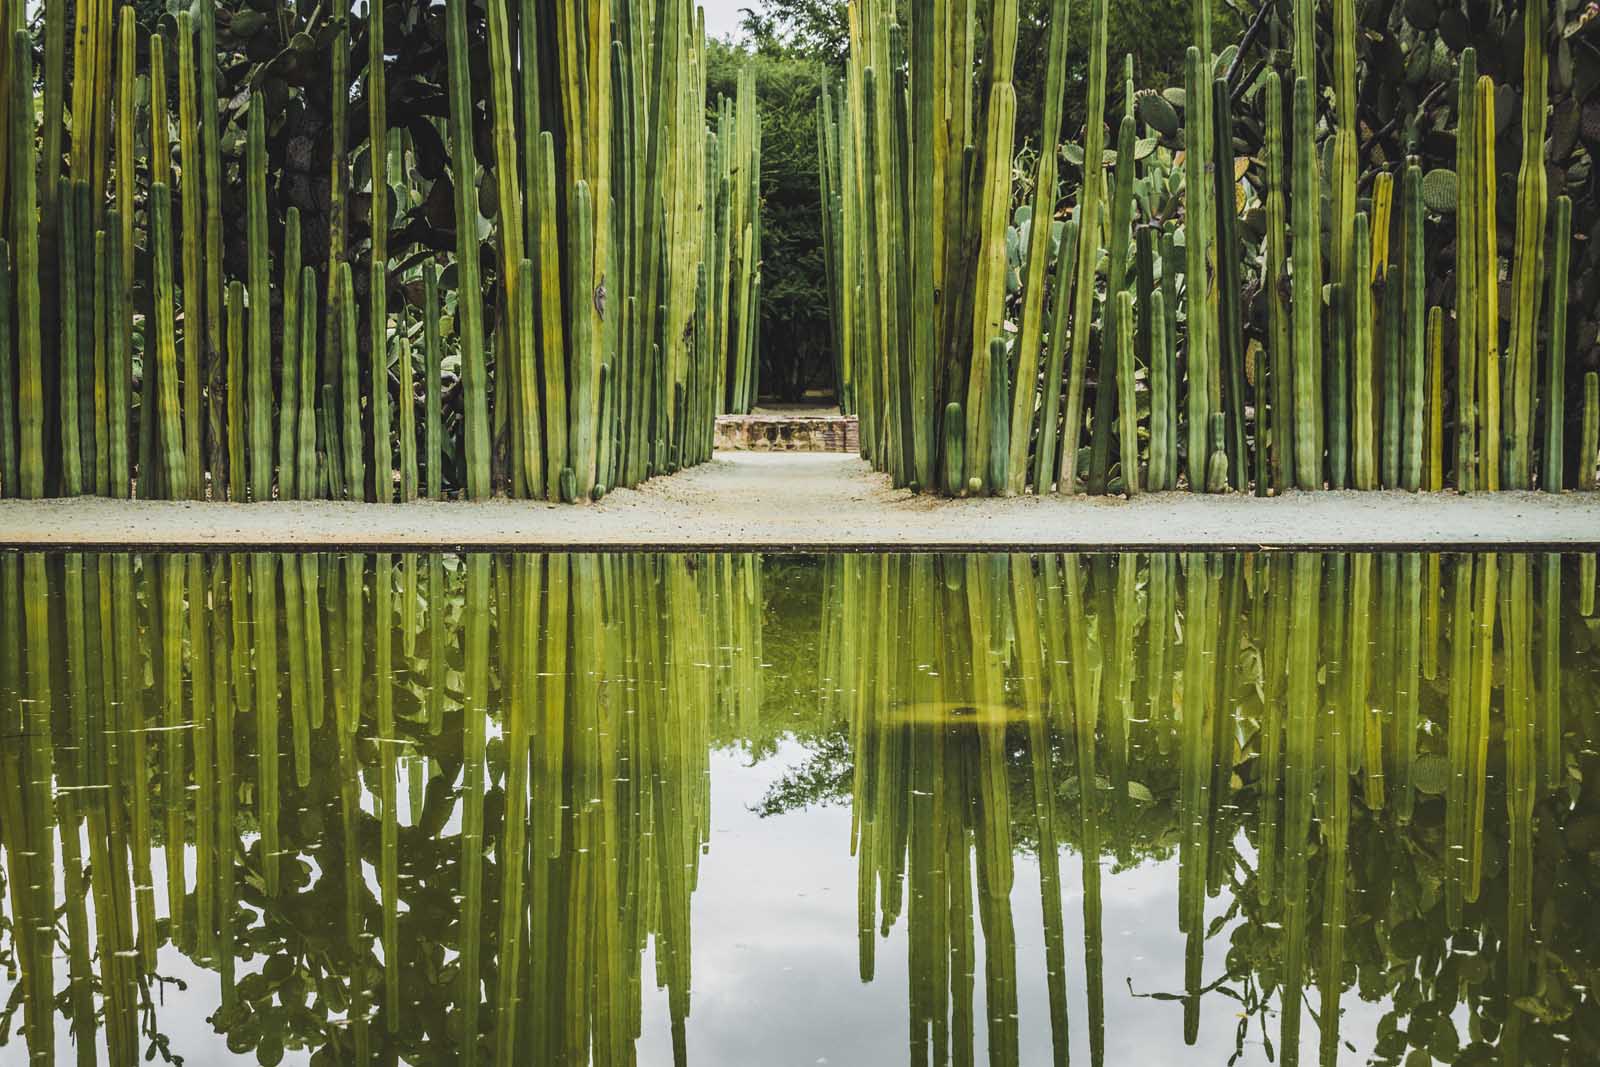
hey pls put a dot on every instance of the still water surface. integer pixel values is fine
(728, 810)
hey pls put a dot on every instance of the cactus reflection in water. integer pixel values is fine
(430, 798)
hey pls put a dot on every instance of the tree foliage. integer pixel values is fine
(795, 336)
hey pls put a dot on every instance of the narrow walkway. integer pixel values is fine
(767, 501)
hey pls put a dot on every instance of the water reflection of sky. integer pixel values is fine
(775, 953)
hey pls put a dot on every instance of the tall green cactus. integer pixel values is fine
(350, 384)
(1307, 299)
(1044, 202)
(237, 476)
(378, 268)
(1555, 417)
(1338, 382)
(119, 473)
(194, 289)
(1127, 400)
(1198, 193)
(259, 287)
(1391, 440)
(1090, 201)
(209, 175)
(289, 487)
(1363, 427)
(68, 351)
(305, 452)
(1280, 351)
(432, 358)
(989, 307)
(1229, 359)
(1163, 450)
(550, 317)
(8, 377)
(24, 230)
(407, 429)
(1044, 461)
(1528, 265)
(1000, 429)
(1413, 273)
(1487, 267)
(1107, 383)
(470, 317)
(1589, 442)
(1466, 272)
(1433, 439)
(173, 468)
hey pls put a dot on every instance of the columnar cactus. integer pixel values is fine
(1413, 273)
(1307, 308)
(1528, 265)
(1090, 201)
(1467, 273)
(1363, 427)
(1198, 193)
(1024, 399)
(1556, 383)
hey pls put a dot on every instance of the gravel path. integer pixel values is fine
(818, 501)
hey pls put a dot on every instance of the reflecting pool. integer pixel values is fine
(854, 809)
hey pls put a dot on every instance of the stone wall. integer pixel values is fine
(788, 433)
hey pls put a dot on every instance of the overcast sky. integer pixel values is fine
(722, 16)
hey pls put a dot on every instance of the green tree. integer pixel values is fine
(796, 346)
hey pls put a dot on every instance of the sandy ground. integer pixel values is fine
(820, 501)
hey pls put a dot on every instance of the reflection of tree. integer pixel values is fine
(505, 807)
(441, 797)
(1385, 733)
